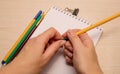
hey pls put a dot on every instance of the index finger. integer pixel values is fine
(51, 33)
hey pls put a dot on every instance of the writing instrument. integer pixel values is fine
(96, 24)
(18, 40)
(22, 40)
(41, 18)
(21, 36)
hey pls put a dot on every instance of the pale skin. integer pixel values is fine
(79, 51)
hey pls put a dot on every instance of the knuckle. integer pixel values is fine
(52, 28)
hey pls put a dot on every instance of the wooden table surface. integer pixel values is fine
(16, 14)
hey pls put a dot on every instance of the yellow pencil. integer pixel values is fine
(21, 36)
(98, 23)
(18, 40)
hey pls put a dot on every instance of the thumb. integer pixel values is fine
(52, 49)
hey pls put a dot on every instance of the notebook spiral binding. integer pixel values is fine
(75, 17)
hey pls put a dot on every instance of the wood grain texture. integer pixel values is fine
(15, 15)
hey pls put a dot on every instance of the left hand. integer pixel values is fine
(35, 54)
(80, 52)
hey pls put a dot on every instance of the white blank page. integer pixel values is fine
(62, 21)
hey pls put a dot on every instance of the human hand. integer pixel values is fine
(36, 53)
(80, 52)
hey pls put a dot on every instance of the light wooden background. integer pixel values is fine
(16, 14)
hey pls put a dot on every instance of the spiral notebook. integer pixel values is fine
(62, 21)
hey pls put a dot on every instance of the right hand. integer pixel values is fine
(80, 52)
